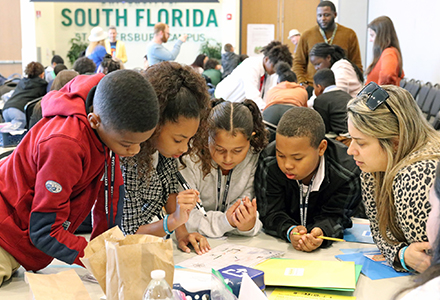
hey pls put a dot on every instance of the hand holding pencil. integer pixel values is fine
(303, 241)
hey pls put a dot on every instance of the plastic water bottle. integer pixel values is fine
(158, 288)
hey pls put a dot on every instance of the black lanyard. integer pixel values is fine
(225, 193)
(303, 205)
(112, 184)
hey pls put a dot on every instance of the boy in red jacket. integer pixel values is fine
(67, 164)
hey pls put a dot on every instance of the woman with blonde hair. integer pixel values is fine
(386, 67)
(397, 151)
(96, 49)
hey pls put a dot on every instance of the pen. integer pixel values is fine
(322, 237)
(186, 186)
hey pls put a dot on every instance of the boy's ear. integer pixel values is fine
(94, 120)
(322, 147)
(318, 89)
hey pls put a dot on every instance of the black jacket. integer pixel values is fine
(332, 106)
(329, 209)
(230, 61)
(27, 89)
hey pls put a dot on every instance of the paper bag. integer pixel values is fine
(95, 257)
(65, 285)
(136, 256)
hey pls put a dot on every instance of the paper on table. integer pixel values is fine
(292, 294)
(229, 254)
(308, 273)
(249, 290)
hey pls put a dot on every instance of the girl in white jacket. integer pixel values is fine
(224, 175)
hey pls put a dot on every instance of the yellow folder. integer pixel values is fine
(309, 273)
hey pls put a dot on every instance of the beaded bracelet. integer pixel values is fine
(289, 231)
(165, 225)
(402, 259)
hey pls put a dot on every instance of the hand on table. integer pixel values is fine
(304, 241)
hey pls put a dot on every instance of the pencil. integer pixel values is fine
(322, 237)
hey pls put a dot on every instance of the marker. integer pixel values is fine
(322, 237)
(186, 186)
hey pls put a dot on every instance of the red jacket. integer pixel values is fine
(52, 180)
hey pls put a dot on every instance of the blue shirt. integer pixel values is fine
(158, 53)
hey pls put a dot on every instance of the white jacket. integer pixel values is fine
(346, 77)
(244, 83)
(241, 185)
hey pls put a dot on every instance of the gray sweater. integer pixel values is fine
(241, 185)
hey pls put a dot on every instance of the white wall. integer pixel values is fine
(417, 32)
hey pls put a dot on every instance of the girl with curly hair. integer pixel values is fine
(150, 176)
(224, 175)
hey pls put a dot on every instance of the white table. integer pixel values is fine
(366, 288)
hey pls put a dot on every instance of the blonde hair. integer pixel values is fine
(93, 45)
(410, 130)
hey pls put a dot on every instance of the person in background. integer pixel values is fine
(386, 67)
(428, 283)
(348, 76)
(84, 66)
(49, 71)
(212, 70)
(109, 64)
(327, 31)
(225, 175)
(199, 63)
(294, 36)
(29, 88)
(96, 50)
(331, 102)
(252, 79)
(302, 164)
(282, 97)
(150, 176)
(114, 47)
(397, 151)
(230, 60)
(58, 68)
(155, 49)
(146, 64)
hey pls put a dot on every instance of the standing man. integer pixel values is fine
(327, 31)
(114, 47)
(156, 52)
(294, 36)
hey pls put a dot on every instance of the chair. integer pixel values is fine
(435, 108)
(403, 83)
(436, 122)
(426, 107)
(29, 109)
(423, 93)
(6, 154)
(413, 87)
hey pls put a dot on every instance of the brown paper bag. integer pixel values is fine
(138, 255)
(95, 257)
(65, 285)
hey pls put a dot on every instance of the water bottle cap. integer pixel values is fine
(158, 274)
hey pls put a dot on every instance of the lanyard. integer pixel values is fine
(330, 40)
(112, 184)
(303, 205)
(225, 193)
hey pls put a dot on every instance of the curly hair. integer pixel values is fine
(235, 117)
(277, 52)
(34, 69)
(181, 92)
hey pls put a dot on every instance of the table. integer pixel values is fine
(366, 288)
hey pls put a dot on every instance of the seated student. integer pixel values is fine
(150, 176)
(428, 283)
(397, 151)
(29, 88)
(59, 165)
(348, 76)
(281, 97)
(252, 78)
(199, 63)
(306, 185)
(225, 175)
(212, 70)
(84, 65)
(230, 60)
(49, 73)
(58, 68)
(331, 102)
(109, 64)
